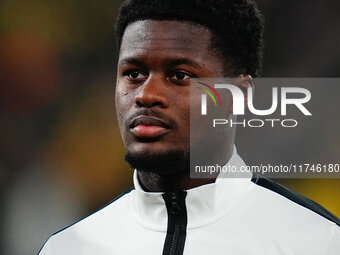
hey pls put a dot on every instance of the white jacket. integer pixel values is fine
(234, 216)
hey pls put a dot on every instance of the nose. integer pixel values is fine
(152, 94)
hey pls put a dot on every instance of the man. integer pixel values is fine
(162, 45)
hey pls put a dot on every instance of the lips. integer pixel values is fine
(148, 127)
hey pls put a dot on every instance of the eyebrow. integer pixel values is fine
(132, 61)
(166, 63)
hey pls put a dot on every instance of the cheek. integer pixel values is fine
(183, 111)
(123, 101)
(186, 105)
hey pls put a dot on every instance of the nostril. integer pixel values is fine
(157, 104)
(140, 104)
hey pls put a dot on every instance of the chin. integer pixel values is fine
(162, 162)
(152, 148)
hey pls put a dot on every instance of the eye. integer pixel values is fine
(181, 76)
(135, 75)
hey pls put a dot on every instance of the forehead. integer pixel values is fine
(165, 37)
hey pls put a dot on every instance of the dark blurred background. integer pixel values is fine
(61, 155)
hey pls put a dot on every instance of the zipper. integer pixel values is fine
(177, 223)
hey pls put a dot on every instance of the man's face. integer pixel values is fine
(156, 61)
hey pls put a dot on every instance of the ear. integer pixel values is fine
(244, 82)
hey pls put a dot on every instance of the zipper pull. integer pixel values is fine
(175, 208)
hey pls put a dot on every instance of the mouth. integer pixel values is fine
(148, 127)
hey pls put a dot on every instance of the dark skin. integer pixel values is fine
(157, 59)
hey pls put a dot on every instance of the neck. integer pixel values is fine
(154, 182)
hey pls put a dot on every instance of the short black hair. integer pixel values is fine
(236, 26)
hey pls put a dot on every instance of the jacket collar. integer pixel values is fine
(205, 204)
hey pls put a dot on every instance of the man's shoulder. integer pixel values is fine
(290, 220)
(293, 201)
(97, 227)
(105, 215)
